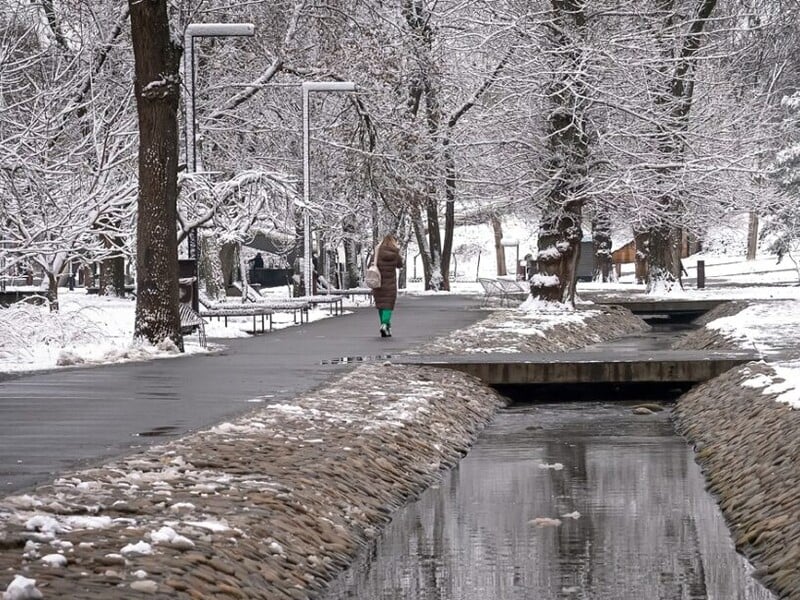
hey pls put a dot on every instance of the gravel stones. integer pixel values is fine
(749, 448)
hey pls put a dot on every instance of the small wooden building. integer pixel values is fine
(624, 254)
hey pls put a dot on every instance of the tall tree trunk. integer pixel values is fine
(560, 229)
(601, 243)
(210, 271)
(450, 167)
(664, 268)
(157, 90)
(423, 91)
(752, 236)
(641, 240)
(422, 243)
(449, 211)
(351, 252)
(499, 250)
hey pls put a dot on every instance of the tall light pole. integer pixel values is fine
(308, 87)
(193, 31)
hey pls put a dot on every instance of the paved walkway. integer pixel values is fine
(59, 420)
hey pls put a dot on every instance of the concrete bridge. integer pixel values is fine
(679, 309)
(657, 366)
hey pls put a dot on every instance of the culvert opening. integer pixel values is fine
(549, 393)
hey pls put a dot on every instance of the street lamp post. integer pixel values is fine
(313, 86)
(195, 30)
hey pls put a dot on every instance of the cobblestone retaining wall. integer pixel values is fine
(710, 339)
(749, 448)
(500, 332)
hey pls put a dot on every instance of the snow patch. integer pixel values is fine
(785, 383)
(22, 588)
(137, 549)
(55, 560)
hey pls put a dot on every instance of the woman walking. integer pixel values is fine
(388, 261)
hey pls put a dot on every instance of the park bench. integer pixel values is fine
(298, 305)
(225, 310)
(191, 322)
(353, 292)
(503, 290)
(335, 303)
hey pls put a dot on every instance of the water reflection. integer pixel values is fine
(647, 530)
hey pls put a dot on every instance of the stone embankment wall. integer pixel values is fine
(710, 339)
(272, 505)
(749, 448)
(539, 331)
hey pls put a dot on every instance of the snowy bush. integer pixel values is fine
(24, 326)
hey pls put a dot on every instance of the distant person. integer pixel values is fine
(388, 261)
(258, 261)
(530, 267)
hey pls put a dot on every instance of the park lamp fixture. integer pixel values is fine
(313, 86)
(195, 30)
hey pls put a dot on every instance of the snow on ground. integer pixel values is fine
(90, 329)
(772, 328)
(97, 329)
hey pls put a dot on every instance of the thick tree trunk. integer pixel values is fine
(157, 90)
(437, 278)
(449, 212)
(560, 229)
(664, 260)
(52, 291)
(227, 258)
(559, 246)
(499, 250)
(676, 97)
(601, 243)
(112, 270)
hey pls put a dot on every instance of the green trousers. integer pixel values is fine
(385, 315)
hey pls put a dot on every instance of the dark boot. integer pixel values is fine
(385, 331)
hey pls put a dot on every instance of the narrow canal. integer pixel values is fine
(576, 500)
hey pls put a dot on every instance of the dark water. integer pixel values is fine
(647, 530)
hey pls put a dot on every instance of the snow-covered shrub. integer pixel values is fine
(24, 326)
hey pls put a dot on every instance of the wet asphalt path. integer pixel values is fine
(55, 421)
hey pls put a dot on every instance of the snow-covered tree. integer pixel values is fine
(157, 90)
(783, 225)
(66, 178)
